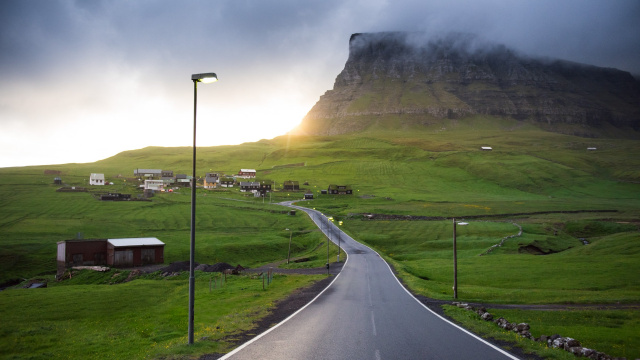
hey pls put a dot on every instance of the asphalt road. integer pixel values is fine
(365, 314)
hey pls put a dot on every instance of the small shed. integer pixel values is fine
(96, 179)
(486, 148)
(82, 252)
(227, 181)
(340, 189)
(291, 185)
(592, 149)
(308, 196)
(57, 180)
(135, 251)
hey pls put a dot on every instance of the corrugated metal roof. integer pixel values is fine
(148, 241)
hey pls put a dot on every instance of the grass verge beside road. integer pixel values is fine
(135, 320)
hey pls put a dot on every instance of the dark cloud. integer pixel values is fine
(83, 57)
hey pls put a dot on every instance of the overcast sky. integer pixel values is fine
(84, 80)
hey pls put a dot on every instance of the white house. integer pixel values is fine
(96, 179)
(154, 185)
(486, 148)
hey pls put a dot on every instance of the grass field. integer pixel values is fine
(142, 319)
(548, 184)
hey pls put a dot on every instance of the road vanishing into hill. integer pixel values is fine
(364, 314)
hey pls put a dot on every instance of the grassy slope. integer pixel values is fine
(433, 170)
(141, 319)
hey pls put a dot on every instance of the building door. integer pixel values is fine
(78, 260)
(123, 258)
(148, 256)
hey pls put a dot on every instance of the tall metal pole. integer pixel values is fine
(339, 247)
(289, 252)
(339, 240)
(192, 282)
(327, 246)
(455, 262)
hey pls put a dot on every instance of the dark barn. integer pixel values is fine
(112, 252)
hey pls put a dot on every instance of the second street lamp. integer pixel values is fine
(289, 252)
(196, 78)
(455, 259)
(339, 238)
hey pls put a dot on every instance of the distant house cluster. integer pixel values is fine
(158, 179)
(245, 180)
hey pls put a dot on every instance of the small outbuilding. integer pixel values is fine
(125, 252)
(340, 189)
(227, 181)
(291, 185)
(308, 196)
(96, 179)
(486, 148)
(134, 252)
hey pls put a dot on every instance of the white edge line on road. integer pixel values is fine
(426, 307)
(285, 320)
(444, 319)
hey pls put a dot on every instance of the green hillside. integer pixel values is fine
(546, 183)
(426, 171)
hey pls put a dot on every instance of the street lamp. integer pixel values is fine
(328, 239)
(196, 78)
(455, 259)
(339, 238)
(290, 236)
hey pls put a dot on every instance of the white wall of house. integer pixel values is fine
(96, 179)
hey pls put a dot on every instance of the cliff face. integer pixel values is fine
(401, 74)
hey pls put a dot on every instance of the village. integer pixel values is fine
(153, 180)
(133, 252)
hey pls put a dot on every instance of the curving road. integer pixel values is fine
(364, 314)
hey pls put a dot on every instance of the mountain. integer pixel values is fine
(409, 80)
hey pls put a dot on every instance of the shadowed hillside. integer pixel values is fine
(412, 80)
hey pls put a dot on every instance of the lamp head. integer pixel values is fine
(205, 78)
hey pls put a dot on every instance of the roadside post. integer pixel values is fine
(455, 259)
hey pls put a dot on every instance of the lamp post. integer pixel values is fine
(323, 222)
(290, 236)
(455, 259)
(339, 238)
(196, 78)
